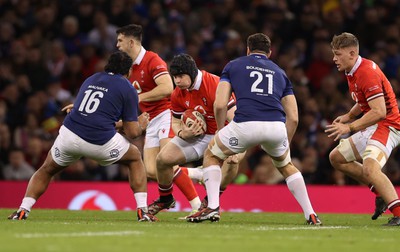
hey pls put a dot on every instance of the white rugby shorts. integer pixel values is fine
(193, 148)
(272, 136)
(69, 147)
(158, 128)
(374, 136)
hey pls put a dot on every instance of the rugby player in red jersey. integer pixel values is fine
(151, 79)
(375, 133)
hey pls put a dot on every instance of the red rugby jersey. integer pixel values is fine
(366, 82)
(147, 67)
(201, 98)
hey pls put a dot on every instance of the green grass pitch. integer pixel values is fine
(63, 230)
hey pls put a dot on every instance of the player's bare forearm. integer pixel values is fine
(291, 127)
(289, 104)
(220, 116)
(163, 89)
(176, 125)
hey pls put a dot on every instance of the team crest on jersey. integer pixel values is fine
(233, 141)
(114, 153)
(142, 74)
(204, 101)
(200, 109)
(136, 85)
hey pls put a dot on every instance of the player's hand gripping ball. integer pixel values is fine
(190, 116)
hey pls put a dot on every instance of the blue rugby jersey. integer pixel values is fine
(259, 85)
(103, 99)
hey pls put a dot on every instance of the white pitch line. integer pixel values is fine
(78, 234)
(300, 228)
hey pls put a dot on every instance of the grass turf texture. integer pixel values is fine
(62, 230)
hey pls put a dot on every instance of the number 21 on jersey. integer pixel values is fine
(257, 86)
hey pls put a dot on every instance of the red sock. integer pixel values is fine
(184, 170)
(184, 183)
(394, 207)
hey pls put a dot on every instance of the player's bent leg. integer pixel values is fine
(295, 182)
(168, 170)
(36, 187)
(381, 182)
(374, 160)
(149, 159)
(137, 173)
(138, 182)
(230, 169)
(345, 158)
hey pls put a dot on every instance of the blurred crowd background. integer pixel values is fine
(47, 48)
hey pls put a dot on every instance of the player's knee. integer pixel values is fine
(373, 160)
(164, 160)
(216, 151)
(282, 163)
(334, 158)
(134, 153)
(343, 153)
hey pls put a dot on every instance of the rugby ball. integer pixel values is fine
(190, 115)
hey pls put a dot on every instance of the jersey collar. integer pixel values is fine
(355, 67)
(258, 55)
(197, 83)
(140, 56)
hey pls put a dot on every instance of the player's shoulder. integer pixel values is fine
(368, 68)
(239, 60)
(150, 55)
(209, 77)
(153, 62)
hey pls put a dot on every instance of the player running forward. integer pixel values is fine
(266, 115)
(195, 89)
(89, 131)
(376, 133)
(154, 85)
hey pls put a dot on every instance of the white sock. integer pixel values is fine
(297, 187)
(195, 203)
(212, 179)
(27, 203)
(195, 173)
(141, 200)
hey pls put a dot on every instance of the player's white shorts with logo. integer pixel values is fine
(272, 136)
(384, 138)
(69, 147)
(193, 148)
(157, 129)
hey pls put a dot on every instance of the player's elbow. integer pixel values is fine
(293, 120)
(379, 114)
(220, 105)
(133, 134)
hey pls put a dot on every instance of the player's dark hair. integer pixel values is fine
(183, 64)
(344, 40)
(259, 42)
(119, 63)
(132, 30)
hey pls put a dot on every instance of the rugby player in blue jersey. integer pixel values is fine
(266, 115)
(89, 131)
